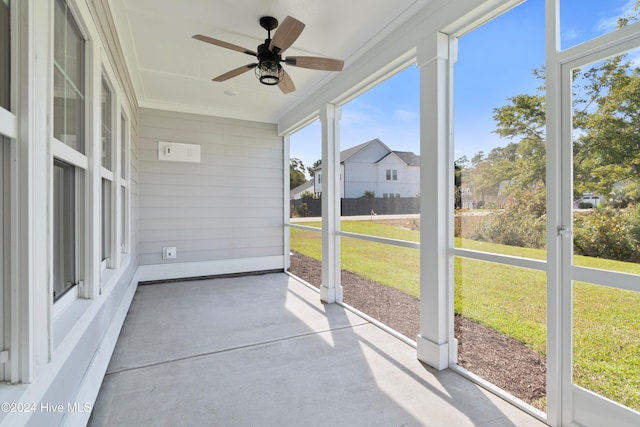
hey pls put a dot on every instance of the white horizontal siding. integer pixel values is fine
(227, 207)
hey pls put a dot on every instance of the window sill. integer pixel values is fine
(63, 323)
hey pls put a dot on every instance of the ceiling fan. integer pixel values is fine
(268, 68)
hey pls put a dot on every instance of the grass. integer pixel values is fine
(512, 300)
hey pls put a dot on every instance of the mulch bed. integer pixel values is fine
(501, 360)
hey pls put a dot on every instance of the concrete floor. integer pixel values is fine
(263, 351)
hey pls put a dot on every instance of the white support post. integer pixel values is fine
(286, 145)
(555, 292)
(331, 289)
(435, 202)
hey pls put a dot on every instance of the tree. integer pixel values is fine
(606, 146)
(312, 169)
(634, 16)
(523, 163)
(607, 150)
(297, 176)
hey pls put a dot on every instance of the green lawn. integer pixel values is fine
(512, 300)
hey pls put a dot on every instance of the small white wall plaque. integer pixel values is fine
(178, 152)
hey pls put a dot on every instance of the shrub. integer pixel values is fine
(306, 195)
(522, 222)
(303, 209)
(608, 233)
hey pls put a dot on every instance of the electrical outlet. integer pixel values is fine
(169, 252)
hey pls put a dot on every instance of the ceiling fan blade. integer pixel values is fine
(287, 33)
(286, 84)
(234, 72)
(315, 63)
(224, 44)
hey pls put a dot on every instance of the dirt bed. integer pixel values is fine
(501, 360)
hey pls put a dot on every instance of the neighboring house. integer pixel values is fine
(296, 193)
(466, 198)
(591, 199)
(374, 167)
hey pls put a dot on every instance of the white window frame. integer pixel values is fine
(6, 179)
(124, 150)
(391, 174)
(63, 152)
(8, 132)
(119, 178)
(109, 175)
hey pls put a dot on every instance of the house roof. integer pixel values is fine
(301, 188)
(408, 157)
(350, 152)
(411, 159)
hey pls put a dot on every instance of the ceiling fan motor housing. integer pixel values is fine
(269, 70)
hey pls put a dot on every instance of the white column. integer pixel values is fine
(331, 289)
(436, 190)
(286, 145)
(559, 405)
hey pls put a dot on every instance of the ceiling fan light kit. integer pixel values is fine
(268, 69)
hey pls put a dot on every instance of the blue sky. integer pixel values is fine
(495, 62)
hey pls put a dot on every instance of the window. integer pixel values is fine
(579, 24)
(124, 184)
(69, 112)
(123, 147)
(4, 211)
(5, 55)
(107, 174)
(106, 126)
(64, 229)
(68, 79)
(305, 232)
(373, 244)
(106, 221)
(7, 121)
(497, 173)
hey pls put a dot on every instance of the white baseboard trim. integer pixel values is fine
(208, 268)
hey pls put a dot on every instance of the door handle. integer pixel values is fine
(565, 232)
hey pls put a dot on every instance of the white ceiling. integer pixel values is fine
(170, 70)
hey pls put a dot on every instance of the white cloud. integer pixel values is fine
(404, 115)
(570, 34)
(608, 24)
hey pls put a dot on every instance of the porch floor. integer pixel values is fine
(263, 351)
